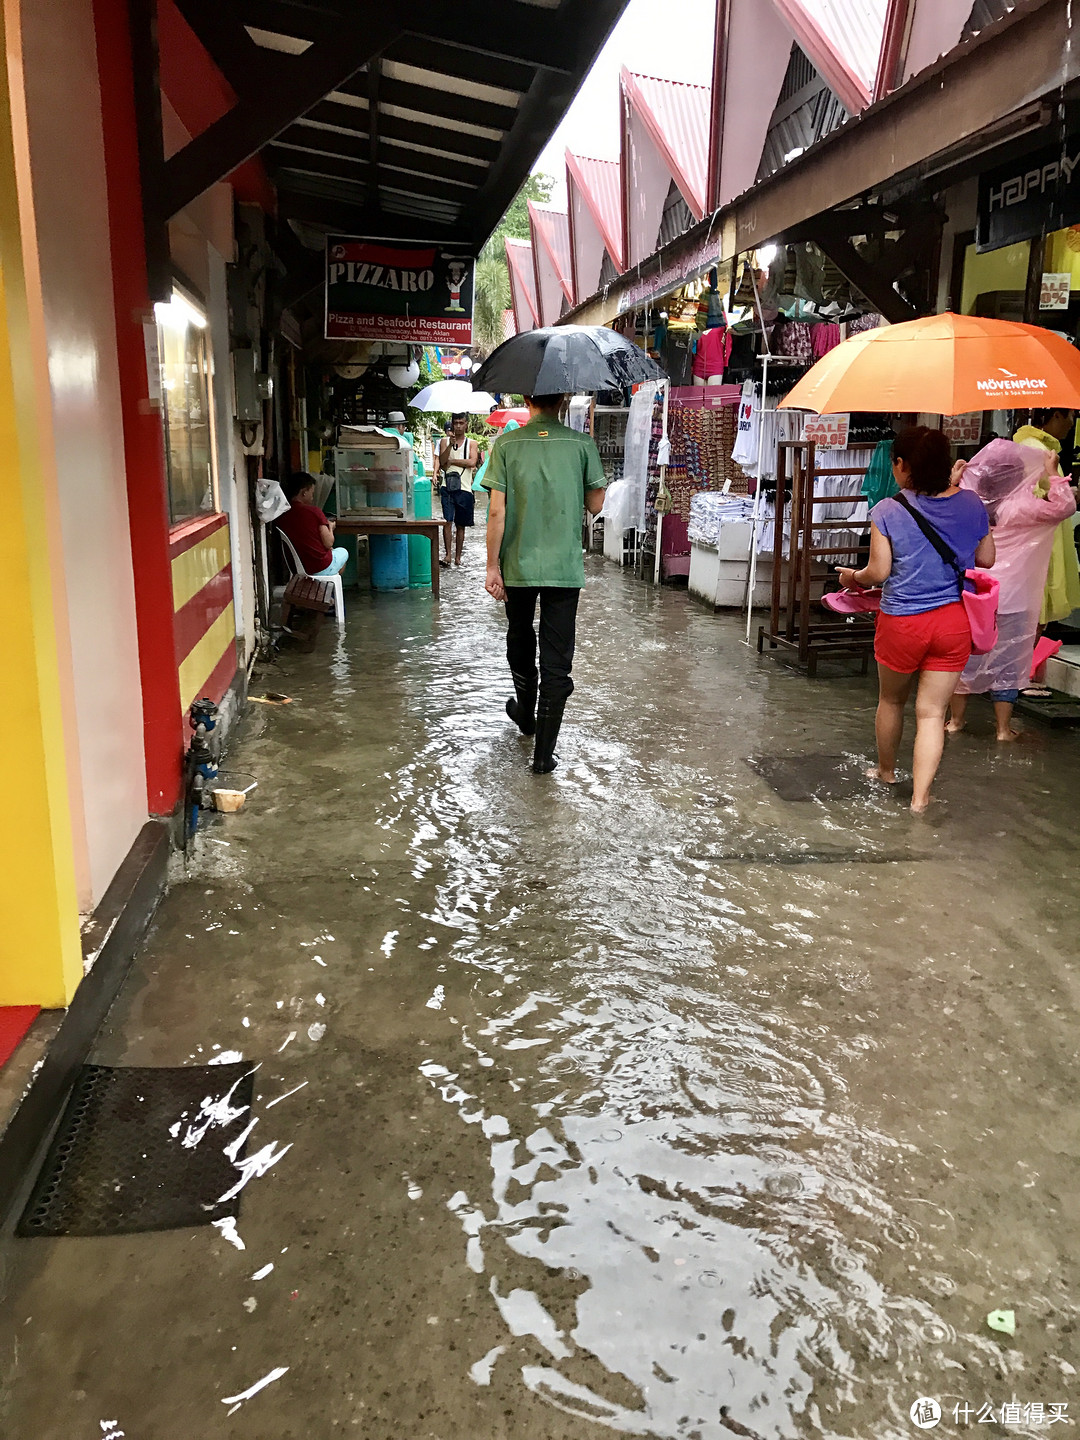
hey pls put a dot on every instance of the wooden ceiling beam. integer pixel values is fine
(434, 137)
(496, 29)
(869, 279)
(447, 104)
(266, 109)
(305, 138)
(360, 172)
(340, 217)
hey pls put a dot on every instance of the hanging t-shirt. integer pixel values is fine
(748, 427)
(713, 352)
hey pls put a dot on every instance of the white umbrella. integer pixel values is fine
(454, 397)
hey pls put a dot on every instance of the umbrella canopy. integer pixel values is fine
(566, 360)
(453, 397)
(943, 365)
(501, 418)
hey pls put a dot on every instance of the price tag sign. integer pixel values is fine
(963, 429)
(1054, 293)
(827, 432)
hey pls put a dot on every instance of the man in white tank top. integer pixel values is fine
(456, 464)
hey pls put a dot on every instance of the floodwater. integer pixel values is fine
(635, 1098)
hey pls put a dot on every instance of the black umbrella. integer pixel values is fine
(565, 360)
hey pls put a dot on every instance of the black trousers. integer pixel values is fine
(558, 620)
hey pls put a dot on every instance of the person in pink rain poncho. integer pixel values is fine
(1026, 501)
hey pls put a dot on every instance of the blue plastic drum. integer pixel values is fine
(389, 553)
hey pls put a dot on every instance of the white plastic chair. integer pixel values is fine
(334, 581)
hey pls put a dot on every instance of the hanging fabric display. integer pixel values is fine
(823, 338)
(712, 354)
(747, 426)
(624, 504)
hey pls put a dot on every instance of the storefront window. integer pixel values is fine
(189, 431)
(995, 283)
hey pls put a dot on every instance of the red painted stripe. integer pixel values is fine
(195, 618)
(144, 446)
(15, 1021)
(200, 94)
(221, 677)
(191, 532)
(376, 254)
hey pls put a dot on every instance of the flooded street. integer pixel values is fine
(634, 1098)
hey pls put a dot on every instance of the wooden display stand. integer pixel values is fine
(796, 621)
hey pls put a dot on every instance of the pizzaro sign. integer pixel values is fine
(417, 293)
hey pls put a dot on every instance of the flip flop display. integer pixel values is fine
(853, 602)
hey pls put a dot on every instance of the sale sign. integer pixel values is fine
(1054, 290)
(963, 429)
(420, 294)
(827, 432)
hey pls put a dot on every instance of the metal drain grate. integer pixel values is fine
(1058, 708)
(810, 777)
(142, 1149)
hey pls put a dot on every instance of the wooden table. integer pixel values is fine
(433, 529)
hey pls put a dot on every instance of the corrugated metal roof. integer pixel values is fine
(843, 39)
(855, 27)
(552, 229)
(677, 117)
(600, 183)
(519, 260)
(985, 13)
(805, 113)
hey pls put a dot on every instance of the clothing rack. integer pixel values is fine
(793, 626)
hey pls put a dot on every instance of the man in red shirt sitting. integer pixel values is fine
(311, 533)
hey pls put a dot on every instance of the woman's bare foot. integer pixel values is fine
(920, 807)
(886, 777)
(954, 727)
(1007, 736)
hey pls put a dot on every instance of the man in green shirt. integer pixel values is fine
(542, 479)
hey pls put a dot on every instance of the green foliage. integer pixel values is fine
(492, 299)
(492, 275)
(515, 223)
(430, 369)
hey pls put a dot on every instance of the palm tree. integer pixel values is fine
(492, 300)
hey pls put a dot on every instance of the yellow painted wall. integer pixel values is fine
(1062, 257)
(1004, 269)
(194, 568)
(40, 952)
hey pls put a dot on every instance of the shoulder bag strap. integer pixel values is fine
(947, 553)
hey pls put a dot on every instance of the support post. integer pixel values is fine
(144, 442)
(40, 950)
(657, 576)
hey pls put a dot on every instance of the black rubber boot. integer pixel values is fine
(549, 715)
(522, 709)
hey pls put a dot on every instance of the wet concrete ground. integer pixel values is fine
(646, 1101)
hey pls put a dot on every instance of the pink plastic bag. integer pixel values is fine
(1043, 651)
(981, 605)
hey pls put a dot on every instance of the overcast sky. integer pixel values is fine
(669, 38)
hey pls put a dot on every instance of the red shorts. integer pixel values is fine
(935, 640)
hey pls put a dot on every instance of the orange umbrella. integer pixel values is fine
(943, 365)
